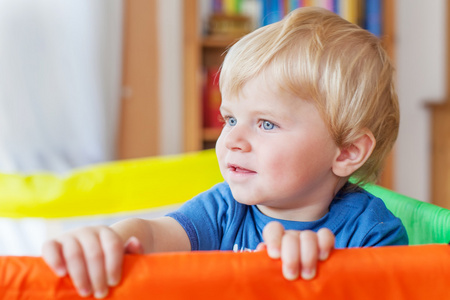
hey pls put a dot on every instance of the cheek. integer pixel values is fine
(219, 146)
(300, 160)
(286, 166)
(220, 151)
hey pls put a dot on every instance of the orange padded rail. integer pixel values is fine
(402, 272)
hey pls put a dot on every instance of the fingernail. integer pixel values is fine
(84, 292)
(60, 272)
(290, 274)
(113, 281)
(323, 255)
(273, 252)
(101, 294)
(308, 274)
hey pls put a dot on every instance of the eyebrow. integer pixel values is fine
(223, 108)
(264, 112)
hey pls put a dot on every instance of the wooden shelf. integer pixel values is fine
(220, 41)
(211, 134)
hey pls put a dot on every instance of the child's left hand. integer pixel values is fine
(299, 250)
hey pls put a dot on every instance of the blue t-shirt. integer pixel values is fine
(214, 220)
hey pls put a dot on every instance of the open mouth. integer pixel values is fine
(237, 169)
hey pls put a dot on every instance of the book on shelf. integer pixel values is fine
(373, 19)
(365, 13)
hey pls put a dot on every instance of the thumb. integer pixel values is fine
(134, 246)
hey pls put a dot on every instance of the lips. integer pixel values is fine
(240, 170)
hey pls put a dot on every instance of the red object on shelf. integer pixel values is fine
(212, 99)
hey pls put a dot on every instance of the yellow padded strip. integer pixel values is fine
(109, 188)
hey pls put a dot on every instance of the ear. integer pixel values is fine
(352, 157)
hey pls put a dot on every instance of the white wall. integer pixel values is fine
(60, 75)
(60, 81)
(420, 56)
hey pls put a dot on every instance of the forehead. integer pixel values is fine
(262, 95)
(264, 88)
(262, 82)
(265, 93)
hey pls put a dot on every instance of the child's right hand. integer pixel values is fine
(92, 256)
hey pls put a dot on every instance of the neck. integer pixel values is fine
(305, 212)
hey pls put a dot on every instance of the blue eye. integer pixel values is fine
(268, 125)
(231, 121)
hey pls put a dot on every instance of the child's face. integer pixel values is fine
(275, 150)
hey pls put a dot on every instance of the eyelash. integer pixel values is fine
(265, 122)
(226, 120)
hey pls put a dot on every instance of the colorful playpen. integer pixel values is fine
(38, 206)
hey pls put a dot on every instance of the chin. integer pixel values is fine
(249, 203)
(246, 200)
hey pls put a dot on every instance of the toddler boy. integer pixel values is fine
(307, 102)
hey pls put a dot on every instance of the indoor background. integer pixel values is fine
(63, 83)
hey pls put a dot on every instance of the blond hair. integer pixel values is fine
(320, 57)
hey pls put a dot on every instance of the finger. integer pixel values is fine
(326, 243)
(272, 235)
(76, 266)
(52, 255)
(290, 255)
(309, 253)
(113, 250)
(260, 247)
(95, 263)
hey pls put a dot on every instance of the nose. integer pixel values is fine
(237, 139)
